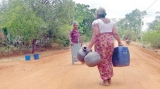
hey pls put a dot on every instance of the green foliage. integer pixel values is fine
(20, 20)
(34, 19)
(130, 34)
(153, 38)
(5, 31)
(25, 20)
(63, 35)
(130, 25)
(85, 17)
(155, 25)
(58, 14)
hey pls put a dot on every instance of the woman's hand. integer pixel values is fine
(89, 48)
(71, 43)
(120, 44)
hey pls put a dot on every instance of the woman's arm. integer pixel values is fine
(94, 34)
(116, 35)
(69, 37)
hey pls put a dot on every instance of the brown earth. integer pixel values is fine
(54, 70)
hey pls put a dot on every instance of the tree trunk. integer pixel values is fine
(33, 45)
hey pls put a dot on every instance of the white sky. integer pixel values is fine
(118, 8)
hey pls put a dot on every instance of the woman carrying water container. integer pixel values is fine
(103, 31)
(75, 41)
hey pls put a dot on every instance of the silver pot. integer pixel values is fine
(81, 54)
(92, 59)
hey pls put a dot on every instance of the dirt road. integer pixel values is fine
(55, 71)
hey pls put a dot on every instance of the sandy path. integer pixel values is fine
(55, 71)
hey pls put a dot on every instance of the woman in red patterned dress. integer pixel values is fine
(103, 32)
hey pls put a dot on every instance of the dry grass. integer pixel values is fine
(147, 46)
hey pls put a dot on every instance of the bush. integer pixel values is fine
(130, 34)
(153, 38)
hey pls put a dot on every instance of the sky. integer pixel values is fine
(118, 8)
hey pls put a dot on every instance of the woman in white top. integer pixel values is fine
(103, 32)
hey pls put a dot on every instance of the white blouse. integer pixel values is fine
(103, 27)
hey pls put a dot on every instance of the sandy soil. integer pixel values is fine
(54, 70)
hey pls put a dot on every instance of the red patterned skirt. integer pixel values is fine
(104, 45)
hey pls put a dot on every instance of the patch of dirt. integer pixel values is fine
(54, 70)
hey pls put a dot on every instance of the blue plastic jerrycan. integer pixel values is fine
(121, 56)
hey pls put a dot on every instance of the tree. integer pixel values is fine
(152, 36)
(155, 25)
(85, 17)
(30, 22)
(131, 22)
(57, 14)
(21, 21)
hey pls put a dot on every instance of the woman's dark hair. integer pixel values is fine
(102, 15)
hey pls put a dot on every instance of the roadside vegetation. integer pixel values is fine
(27, 26)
